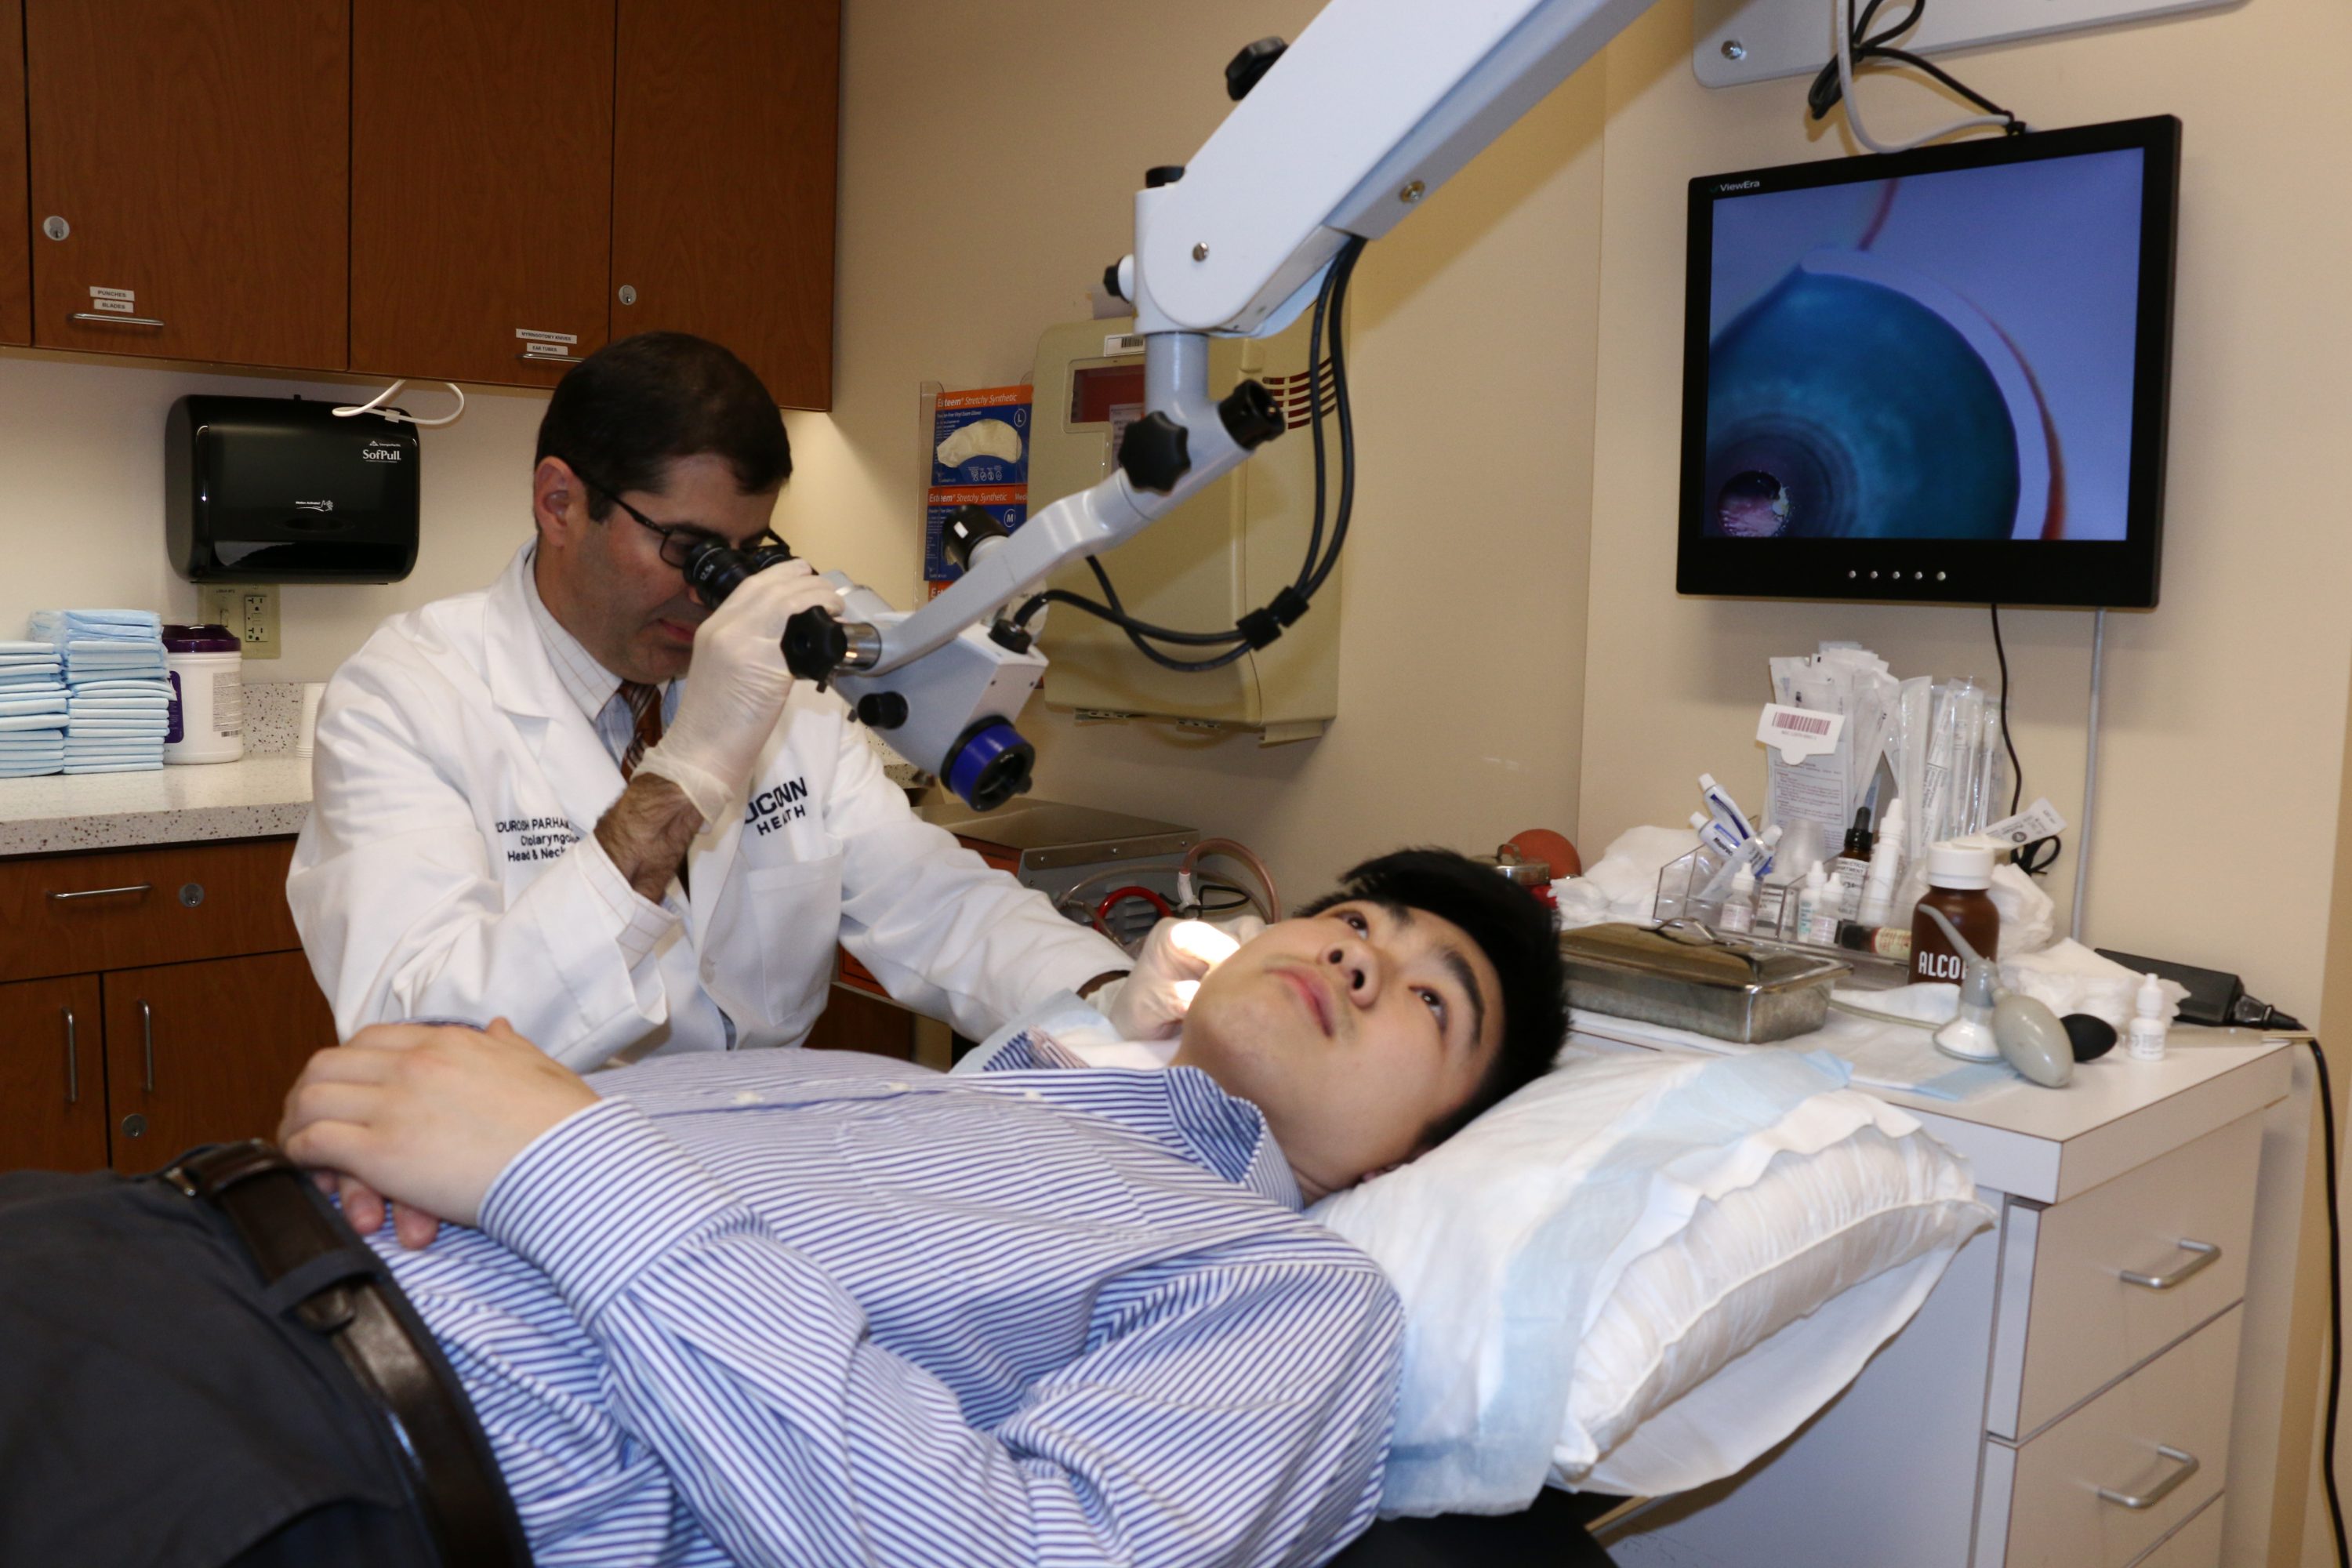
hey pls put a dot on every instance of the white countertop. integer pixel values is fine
(2049, 1144)
(260, 797)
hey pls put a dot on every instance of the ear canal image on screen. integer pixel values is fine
(1855, 400)
(980, 438)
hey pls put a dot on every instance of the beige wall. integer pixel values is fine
(82, 497)
(985, 172)
(2224, 709)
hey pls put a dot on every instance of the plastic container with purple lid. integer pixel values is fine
(205, 665)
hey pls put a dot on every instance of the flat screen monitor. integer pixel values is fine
(1935, 375)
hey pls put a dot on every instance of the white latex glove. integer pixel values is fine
(1150, 1001)
(737, 687)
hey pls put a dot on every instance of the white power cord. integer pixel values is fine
(395, 415)
(1843, 16)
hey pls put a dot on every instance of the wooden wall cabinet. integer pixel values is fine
(723, 174)
(481, 187)
(156, 999)
(189, 162)
(16, 248)
(421, 187)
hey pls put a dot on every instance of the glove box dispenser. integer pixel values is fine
(268, 490)
(1223, 554)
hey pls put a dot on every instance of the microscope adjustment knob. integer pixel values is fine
(1161, 175)
(1155, 453)
(1250, 415)
(814, 646)
(1110, 282)
(882, 710)
(1243, 71)
(1012, 638)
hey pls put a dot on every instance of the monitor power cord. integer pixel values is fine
(1857, 46)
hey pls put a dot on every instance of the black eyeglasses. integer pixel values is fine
(679, 540)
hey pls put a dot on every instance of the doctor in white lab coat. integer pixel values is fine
(474, 850)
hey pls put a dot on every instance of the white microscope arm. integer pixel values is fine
(1377, 104)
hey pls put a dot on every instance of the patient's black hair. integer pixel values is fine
(1511, 927)
(626, 412)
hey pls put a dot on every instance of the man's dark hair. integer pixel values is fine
(1509, 926)
(624, 413)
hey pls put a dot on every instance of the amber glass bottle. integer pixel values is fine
(1958, 877)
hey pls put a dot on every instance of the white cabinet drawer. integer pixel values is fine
(2044, 1499)
(2069, 1322)
(2197, 1544)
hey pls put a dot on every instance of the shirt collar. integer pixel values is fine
(1180, 1107)
(587, 682)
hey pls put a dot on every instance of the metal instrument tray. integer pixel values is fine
(1687, 977)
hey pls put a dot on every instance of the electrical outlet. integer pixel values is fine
(249, 610)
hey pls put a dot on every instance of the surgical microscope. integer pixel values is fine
(1332, 142)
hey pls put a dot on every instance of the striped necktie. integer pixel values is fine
(646, 705)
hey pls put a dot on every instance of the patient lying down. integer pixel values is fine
(809, 1307)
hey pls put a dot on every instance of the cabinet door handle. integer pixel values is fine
(2206, 1252)
(73, 1071)
(535, 359)
(103, 892)
(147, 1039)
(2163, 1489)
(106, 319)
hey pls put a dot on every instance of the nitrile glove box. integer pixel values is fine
(278, 489)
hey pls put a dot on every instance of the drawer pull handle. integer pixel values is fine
(2206, 1253)
(147, 1039)
(104, 320)
(551, 359)
(103, 892)
(2163, 1489)
(73, 1071)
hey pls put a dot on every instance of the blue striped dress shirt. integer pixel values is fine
(806, 1306)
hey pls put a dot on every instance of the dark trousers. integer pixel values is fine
(156, 1409)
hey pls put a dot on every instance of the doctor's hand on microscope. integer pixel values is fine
(736, 688)
(735, 691)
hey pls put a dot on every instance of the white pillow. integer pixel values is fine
(1640, 1272)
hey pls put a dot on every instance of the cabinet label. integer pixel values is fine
(527, 335)
(124, 306)
(128, 296)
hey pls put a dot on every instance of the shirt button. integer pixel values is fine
(896, 1088)
(747, 1097)
(1030, 1094)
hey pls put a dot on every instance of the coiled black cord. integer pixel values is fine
(1253, 631)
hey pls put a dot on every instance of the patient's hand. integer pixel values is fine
(426, 1116)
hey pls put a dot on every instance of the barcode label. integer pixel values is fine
(1799, 733)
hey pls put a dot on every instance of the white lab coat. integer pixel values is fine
(442, 871)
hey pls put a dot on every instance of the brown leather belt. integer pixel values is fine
(314, 1265)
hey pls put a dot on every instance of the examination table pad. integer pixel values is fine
(1640, 1272)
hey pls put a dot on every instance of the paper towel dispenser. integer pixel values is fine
(278, 489)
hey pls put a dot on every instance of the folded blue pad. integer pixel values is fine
(112, 767)
(32, 721)
(30, 753)
(43, 704)
(38, 770)
(109, 690)
(42, 647)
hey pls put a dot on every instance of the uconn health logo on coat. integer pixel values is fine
(770, 809)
